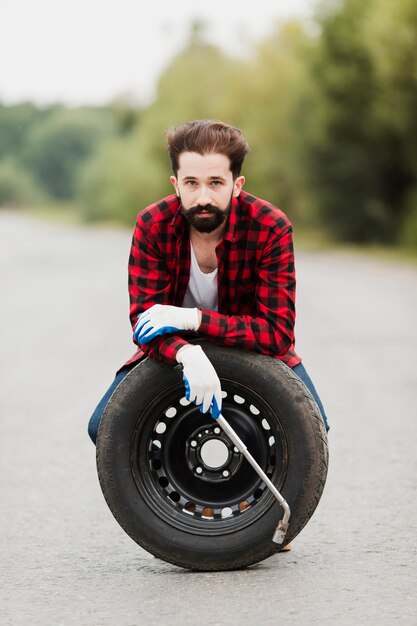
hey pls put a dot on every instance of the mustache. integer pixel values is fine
(195, 210)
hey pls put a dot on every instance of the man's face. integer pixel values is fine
(205, 186)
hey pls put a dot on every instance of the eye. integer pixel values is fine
(216, 183)
(191, 183)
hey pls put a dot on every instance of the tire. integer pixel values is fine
(201, 512)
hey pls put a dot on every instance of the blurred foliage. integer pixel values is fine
(46, 148)
(58, 147)
(121, 179)
(409, 225)
(272, 112)
(125, 112)
(18, 188)
(361, 150)
(330, 115)
(16, 123)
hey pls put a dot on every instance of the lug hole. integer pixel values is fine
(175, 496)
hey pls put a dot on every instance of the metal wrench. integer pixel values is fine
(282, 527)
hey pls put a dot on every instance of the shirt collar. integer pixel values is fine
(179, 223)
(229, 234)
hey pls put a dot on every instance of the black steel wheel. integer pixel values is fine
(179, 487)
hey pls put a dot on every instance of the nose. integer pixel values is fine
(203, 196)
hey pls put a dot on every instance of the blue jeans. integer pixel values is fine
(301, 372)
(94, 422)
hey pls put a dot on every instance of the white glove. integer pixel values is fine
(162, 319)
(200, 379)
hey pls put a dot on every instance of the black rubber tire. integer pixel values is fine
(132, 486)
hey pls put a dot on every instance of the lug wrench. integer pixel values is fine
(281, 529)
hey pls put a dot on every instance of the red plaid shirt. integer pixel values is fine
(256, 278)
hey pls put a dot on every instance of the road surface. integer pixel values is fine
(65, 561)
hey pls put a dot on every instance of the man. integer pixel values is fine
(211, 259)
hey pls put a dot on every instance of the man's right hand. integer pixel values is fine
(201, 382)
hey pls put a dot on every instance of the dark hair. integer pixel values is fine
(207, 137)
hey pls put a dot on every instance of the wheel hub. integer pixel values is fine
(210, 455)
(195, 478)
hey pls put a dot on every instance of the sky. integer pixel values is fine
(90, 51)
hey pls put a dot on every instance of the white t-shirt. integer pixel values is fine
(202, 288)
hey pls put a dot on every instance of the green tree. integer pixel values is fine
(57, 148)
(17, 187)
(359, 162)
(120, 180)
(272, 115)
(392, 41)
(126, 113)
(16, 123)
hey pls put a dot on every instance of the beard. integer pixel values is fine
(209, 223)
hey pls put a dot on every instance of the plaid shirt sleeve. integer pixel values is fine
(149, 284)
(271, 330)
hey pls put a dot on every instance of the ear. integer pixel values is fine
(237, 186)
(175, 184)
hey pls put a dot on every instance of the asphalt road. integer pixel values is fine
(65, 561)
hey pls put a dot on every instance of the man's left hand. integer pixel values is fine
(162, 319)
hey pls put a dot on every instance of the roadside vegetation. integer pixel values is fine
(329, 111)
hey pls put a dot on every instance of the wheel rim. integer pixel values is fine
(189, 472)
